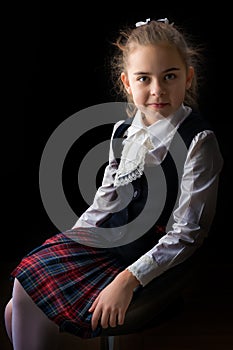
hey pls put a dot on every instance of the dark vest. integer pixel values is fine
(130, 252)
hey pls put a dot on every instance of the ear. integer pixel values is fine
(125, 81)
(190, 76)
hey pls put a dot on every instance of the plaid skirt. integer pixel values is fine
(64, 277)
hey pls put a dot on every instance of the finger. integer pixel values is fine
(93, 306)
(113, 319)
(95, 318)
(105, 319)
(121, 317)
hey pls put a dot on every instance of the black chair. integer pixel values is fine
(152, 304)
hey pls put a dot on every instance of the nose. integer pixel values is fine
(156, 89)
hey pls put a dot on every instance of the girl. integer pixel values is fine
(68, 284)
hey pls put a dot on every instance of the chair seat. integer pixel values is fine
(156, 302)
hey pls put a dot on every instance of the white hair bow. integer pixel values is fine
(139, 24)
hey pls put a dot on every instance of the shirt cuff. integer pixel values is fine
(145, 269)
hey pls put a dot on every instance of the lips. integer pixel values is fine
(158, 105)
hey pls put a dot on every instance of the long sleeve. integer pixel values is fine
(194, 213)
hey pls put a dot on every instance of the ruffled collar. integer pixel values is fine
(146, 142)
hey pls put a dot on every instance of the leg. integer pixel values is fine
(31, 328)
(8, 319)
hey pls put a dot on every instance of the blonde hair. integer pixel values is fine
(153, 33)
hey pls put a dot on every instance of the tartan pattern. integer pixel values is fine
(63, 278)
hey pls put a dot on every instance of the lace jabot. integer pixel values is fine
(133, 157)
(135, 147)
(141, 141)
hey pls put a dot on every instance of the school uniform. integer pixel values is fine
(153, 210)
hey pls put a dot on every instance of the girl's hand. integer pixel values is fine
(111, 304)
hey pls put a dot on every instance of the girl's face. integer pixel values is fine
(157, 79)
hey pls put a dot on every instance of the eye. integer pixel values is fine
(142, 79)
(169, 76)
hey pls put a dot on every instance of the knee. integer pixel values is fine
(20, 297)
(8, 319)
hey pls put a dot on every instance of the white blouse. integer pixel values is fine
(194, 211)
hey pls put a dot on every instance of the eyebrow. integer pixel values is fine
(165, 71)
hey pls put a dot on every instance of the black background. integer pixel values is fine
(56, 65)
